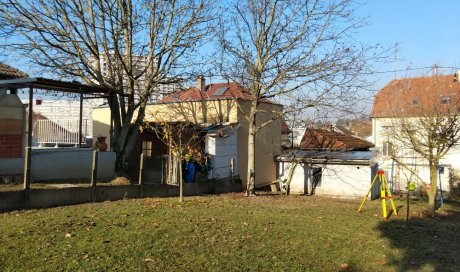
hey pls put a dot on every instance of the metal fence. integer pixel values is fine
(59, 132)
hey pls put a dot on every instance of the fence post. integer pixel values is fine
(27, 162)
(94, 174)
(141, 170)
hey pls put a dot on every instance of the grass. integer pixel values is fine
(229, 233)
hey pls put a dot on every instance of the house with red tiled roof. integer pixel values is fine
(328, 162)
(410, 99)
(220, 103)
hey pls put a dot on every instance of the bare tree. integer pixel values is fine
(293, 51)
(423, 125)
(182, 139)
(132, 47)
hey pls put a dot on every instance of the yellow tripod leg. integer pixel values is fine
(382, 197)
(391, 198)
(364, 200)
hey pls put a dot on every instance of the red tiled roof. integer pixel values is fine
(332, 140)
(413, 96)
(193, 94)
(285, 128)
(8, 72)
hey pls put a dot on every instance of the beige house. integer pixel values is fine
(216, 104)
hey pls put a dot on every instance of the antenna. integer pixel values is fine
(435, 70)
(396, 57)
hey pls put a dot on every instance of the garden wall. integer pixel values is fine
(45, 198)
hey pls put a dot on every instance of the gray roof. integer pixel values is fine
(328, 157)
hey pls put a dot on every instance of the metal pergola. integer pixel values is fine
(51, 85)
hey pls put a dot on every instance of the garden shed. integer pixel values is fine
(337, 173)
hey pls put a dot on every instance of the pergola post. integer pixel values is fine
(28, 150)
(80, 122)
(111, 121)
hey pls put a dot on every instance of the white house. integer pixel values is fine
(410, 100)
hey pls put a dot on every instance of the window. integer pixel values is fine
(445, 100)
(220, 91)
(441, 170)
(414, 102)
(387, 149)
(147, 148)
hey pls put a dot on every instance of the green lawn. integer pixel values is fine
(229, 233)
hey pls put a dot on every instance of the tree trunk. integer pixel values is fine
(123, 151)
(250, 186)
(125, 135)
(433, 192)
(181, 181)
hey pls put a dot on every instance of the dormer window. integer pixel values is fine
(445, 100)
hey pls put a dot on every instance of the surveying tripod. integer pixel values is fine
(384, 194)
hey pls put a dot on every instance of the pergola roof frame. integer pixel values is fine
(51, 85)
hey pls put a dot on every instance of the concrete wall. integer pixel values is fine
(71, 163)
(61, 164)
(10, 167)
(336, 180)
(267, 146)
(45, 198)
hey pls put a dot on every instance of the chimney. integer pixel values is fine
(457, 76)
(200, 83)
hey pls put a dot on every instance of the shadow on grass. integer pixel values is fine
(426, 243)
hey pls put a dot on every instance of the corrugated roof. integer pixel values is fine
(415, 96)
(8, 72)
(324, 157)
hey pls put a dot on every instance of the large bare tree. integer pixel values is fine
(293, 51)
(423, 125)
(132, 47)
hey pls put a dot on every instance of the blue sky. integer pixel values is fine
(427, 33)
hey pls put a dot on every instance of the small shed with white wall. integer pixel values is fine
(222, 146)
(337, 173)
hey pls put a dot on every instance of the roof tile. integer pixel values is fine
(8, 72)
(413, 96)
(322, 139)
(212, 91)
